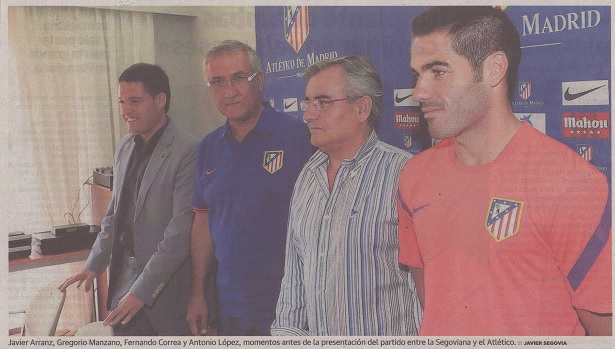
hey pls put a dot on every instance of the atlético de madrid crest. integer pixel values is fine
(296, 26)
(273, 160)
(504, 218)
(525, 89)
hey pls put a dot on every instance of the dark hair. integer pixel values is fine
(476, 32)
(153, 78)
(362, 79)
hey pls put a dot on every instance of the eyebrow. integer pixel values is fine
(430, 65)
(235, 74)
(318, 97)
(129, 98)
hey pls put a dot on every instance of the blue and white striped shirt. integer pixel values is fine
(342, 276)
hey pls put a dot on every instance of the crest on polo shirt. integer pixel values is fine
(503, 218)
(273, 160)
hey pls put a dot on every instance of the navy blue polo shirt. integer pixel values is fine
(246, 188)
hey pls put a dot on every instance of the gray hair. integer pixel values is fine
(362, 79)
(228, 46)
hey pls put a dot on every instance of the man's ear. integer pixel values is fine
(161, 100)
(495, 68)
(364, 104)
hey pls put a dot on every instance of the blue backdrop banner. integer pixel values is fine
(564, 76)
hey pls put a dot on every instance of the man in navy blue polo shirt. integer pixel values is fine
(245, 173)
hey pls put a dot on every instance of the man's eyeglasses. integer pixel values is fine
(236, 81)
(319, 103)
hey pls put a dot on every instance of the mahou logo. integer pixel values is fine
(586, 125)
(408, 120)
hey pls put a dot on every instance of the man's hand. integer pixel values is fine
(84, 275)
(128, 307)
(197, 315)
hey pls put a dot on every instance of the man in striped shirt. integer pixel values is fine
(341, 275)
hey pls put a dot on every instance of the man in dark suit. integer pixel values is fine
(146, 232)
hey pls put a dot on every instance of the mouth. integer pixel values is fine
(427, 109)
(127, 119)
(232, 103)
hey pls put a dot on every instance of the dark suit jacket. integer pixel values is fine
(161, 229)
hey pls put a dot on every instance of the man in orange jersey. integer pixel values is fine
(500, 239)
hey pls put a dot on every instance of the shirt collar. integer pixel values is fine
(151, 144)
(364, 151)
(366, 148)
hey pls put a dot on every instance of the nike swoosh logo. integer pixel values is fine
(401, 99)
(417, 209)
(208, 172)
(286, 106)
(572, 96)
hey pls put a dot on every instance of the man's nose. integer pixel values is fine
(124, 109)
(229, 89)
(422, 90)
(309, 116)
